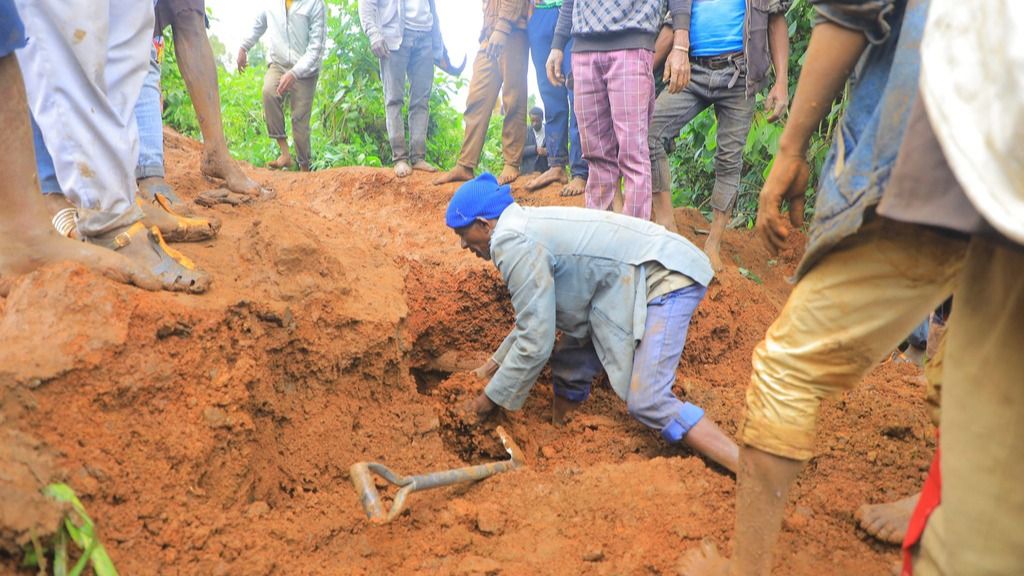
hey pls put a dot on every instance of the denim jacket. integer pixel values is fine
(858, 166)
(579, 271)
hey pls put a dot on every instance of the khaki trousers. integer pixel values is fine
(977, 528)
(507, 75)
(301, 95)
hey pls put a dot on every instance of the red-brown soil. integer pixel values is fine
(213, 434)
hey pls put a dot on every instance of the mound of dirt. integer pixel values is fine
(214, 434)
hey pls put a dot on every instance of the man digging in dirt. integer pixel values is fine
(622, 291)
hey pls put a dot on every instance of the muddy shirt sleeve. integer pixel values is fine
(868, 16)
(527, 269)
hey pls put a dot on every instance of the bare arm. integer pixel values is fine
(778, 44)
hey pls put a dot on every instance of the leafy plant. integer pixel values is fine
(78, 528)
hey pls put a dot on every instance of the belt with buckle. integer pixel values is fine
(718, 61)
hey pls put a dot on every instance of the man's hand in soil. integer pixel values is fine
(496, 44)
(478, 409)
(487, 370)
(786, 181)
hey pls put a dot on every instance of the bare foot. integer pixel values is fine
(887, 522)
(424, 166)
(146, 248)
(550, 176)
(576, 186)
(458, 174)
(176, 228)
(156, 189)
(561, 410)
(281, 162)
(508, 175)
(714, 256)
(402, 169)
(31, 249)
(704, 561)
(227, 170)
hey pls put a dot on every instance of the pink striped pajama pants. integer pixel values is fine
(614, 105)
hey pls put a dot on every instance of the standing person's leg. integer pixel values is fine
(273, 115)
(195, 59)
(631, 93)
(578, 170)
(735, 112)
(483, 95)
(302, 93)
(393, 70)
(597, 137)
(982, 436)
(834, 328)
(514, 68)
(89, 125)
(541, 31)
(671, 113)
(651, 400)
(574, 364)
(28, 238)
(421, 83)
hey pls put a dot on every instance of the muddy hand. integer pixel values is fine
(787, 181)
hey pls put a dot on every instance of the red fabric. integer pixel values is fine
(931, 497)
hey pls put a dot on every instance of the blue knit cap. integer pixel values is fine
(481, 197)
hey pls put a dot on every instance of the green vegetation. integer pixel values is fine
(348, 116)
(79, 529)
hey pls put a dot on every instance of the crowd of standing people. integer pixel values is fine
(920, 198)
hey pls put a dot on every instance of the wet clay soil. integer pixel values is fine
(213, 434)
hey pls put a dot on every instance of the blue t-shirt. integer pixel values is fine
(716, 27)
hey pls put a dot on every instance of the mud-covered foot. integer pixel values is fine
(575, 187)
(704, 561)
(281, 162)
(424, 166)
(508, 175)
(146, 248)
(175, 228)
(402, 169)
(549, 176)
(226, 169)
(155, 189)
(715, 256)
(887, 522)
(458, 174)
(562, 410)
(32, 249)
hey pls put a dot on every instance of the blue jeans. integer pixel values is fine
(574, 364)
(563, 147)
(150, 122)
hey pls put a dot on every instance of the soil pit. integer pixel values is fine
(213, 434)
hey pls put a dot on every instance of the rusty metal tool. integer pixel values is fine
(362, 479)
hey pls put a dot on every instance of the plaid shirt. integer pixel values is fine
(606, 17)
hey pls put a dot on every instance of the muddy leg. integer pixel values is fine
(29, 239)
(712, 245)
(195, 58)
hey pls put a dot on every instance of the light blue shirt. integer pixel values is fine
(716, 27)
(580, 271)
